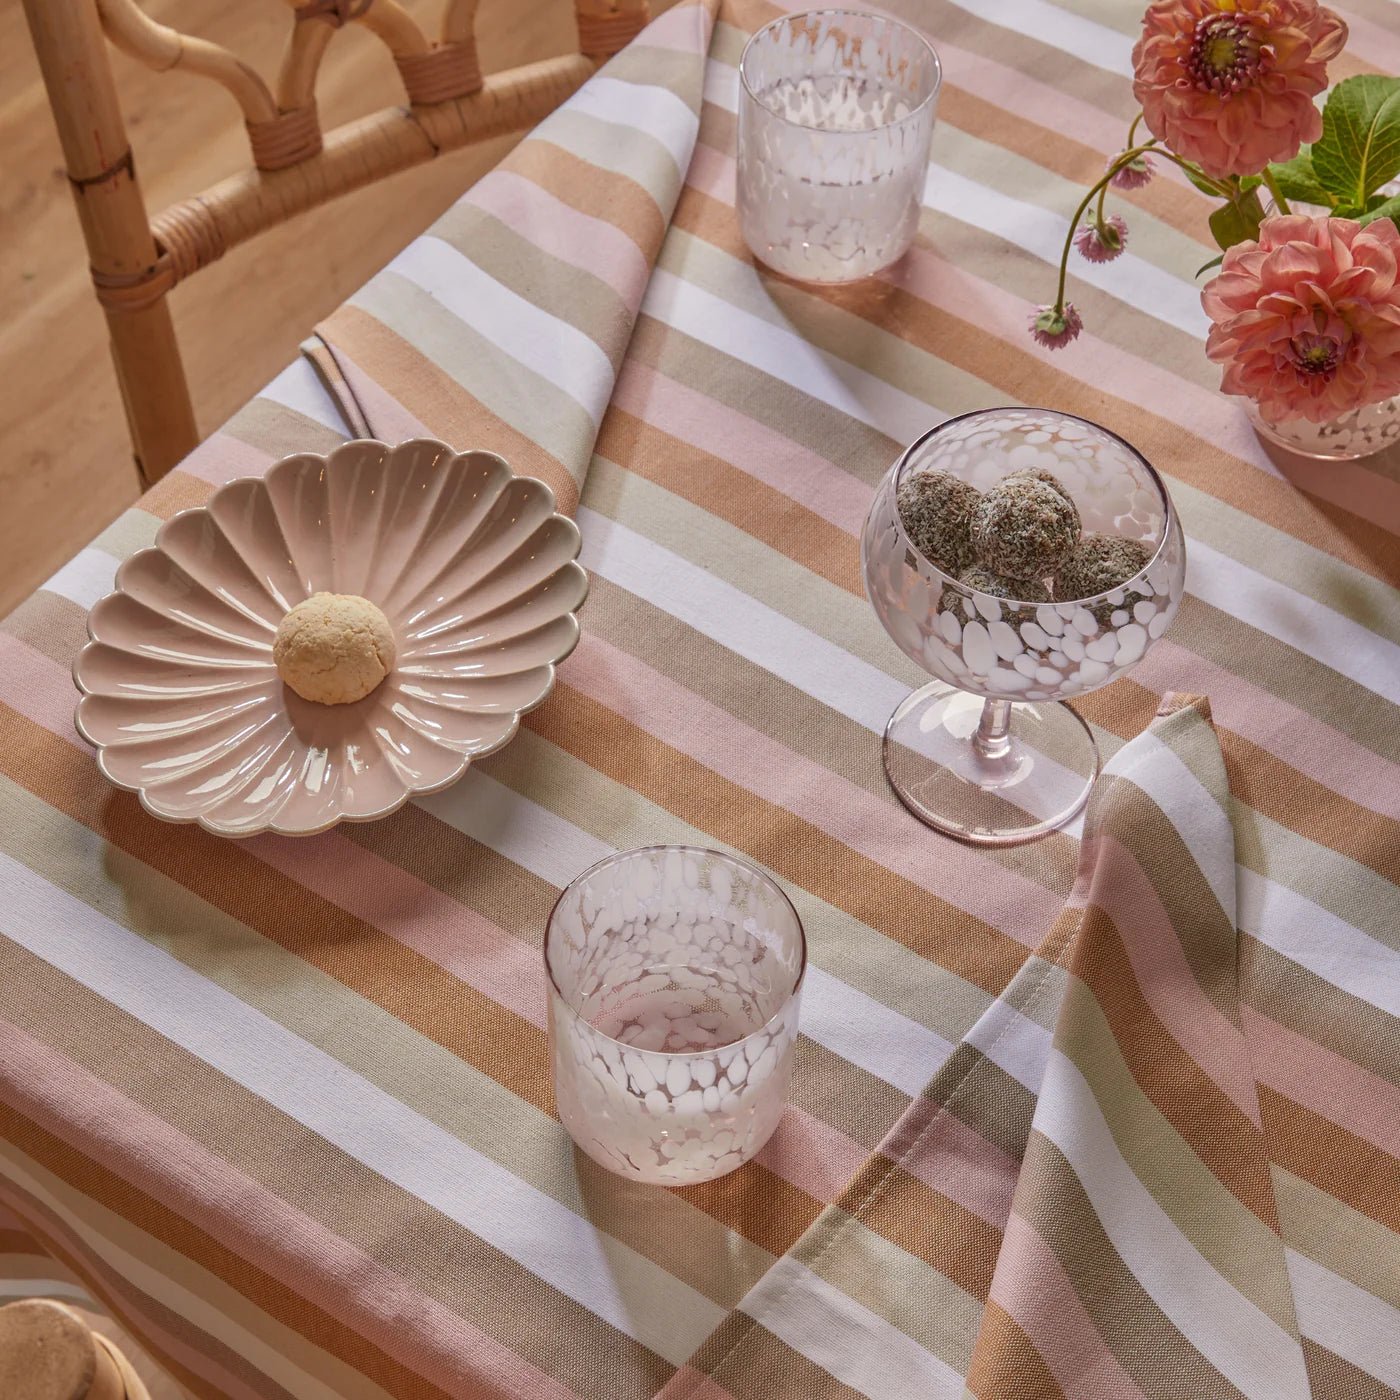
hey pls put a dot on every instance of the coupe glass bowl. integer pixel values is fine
(988, 752)
(471, 565)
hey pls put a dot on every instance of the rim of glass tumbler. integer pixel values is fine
(1168, 520)
(618, 856)
(888, 20)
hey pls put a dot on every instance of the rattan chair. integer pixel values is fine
(136, 260)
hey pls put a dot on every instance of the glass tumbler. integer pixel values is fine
(675, 978)
(988, 751)
(836, 113)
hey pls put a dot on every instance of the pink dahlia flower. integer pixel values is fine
(1230, 84)
(1101, 243)
(1053, 326)
(1306, 321)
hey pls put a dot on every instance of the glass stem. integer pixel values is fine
(993, 737)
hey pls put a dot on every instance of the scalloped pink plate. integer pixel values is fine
(471, 564)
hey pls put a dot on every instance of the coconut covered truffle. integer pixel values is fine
(1098, 564)
(1020, 590)
(334, 648)
(1040, 474)
(1023, 527)
(936, 509)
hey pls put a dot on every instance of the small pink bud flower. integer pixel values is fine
(1101, 243)
(1133, 176)
(1054, 326)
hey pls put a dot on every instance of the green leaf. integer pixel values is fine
(1298, 180)
(1237, 221)
(1214, 262)
(1201, 182)
(1389, 210)
(1359, 149)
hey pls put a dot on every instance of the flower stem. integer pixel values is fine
(1097, 188)
(1280, 203)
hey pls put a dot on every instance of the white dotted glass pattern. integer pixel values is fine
(675, 983)
(836, 112)
(999, 648)
(988, 752)
(1360, 433)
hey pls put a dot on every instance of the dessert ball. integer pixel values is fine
(1098, 564)
(1040, 474)
(936, 508)
(1023, 527)
(1021, 590)
(334, 648)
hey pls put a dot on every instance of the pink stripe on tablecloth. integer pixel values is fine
(745, 443)
(105, 1284)
(875, 828)
(1036, 1293)
(1165, 977)
(690, 1384)
(452, 935)
(684, 28)
(1324, 1082)
(954, 1159)
(1301, 740)
(589, 244)
(223, 457)
(812, 1155)
(388, 419)
(255, 1223)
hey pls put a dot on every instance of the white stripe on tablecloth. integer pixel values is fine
(1130, 279)
(142, 1274)
(855, 1345)
(299, 388)
(639, 109)
(89, 575)
(1200, 821)
(46, 1288)
(1347, 1320)
(1241, 1341)
(1013, 1042)
(1313, 628)
(1319, 940)
(639, 1298)
(787, 356)
(553, 348)
(740, 622)
(1058, 28)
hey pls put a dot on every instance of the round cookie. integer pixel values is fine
(1098, 564)
(935, 508)
(334, 648)
(1023, 527)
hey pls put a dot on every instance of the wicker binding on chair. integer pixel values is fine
(295, 166)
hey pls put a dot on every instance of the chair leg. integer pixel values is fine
(73, 58)
(152, 379)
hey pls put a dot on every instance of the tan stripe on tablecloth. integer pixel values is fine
(433, 396)
(1357, 1173)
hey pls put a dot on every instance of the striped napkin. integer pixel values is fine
(505, 326)
(1089, 1161)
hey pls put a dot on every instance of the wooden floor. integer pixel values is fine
(65, 467)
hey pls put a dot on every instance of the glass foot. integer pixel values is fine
(955, 767)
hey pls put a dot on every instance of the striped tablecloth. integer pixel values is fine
(283, 1106)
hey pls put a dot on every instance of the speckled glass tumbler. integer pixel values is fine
(675, 976)
(836, 113)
